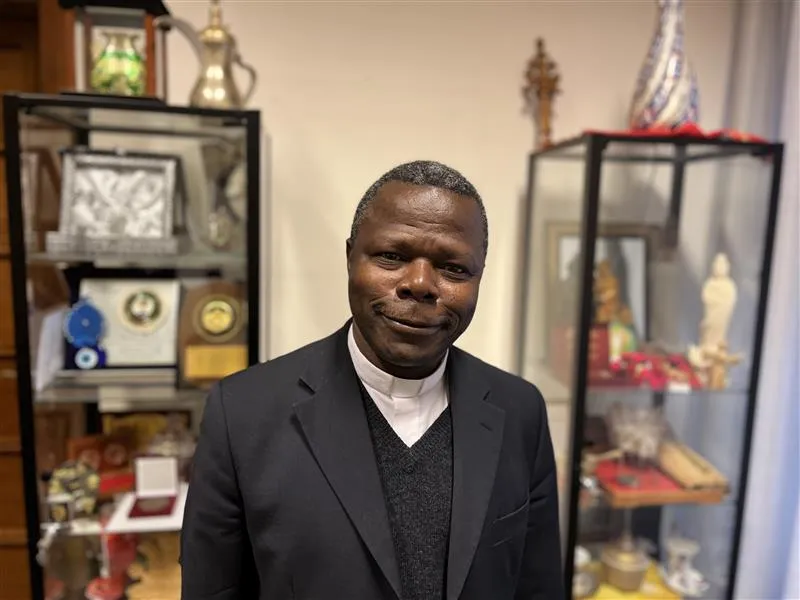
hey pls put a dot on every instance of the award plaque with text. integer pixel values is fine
(212, 334)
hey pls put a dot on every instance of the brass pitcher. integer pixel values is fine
(216, 49)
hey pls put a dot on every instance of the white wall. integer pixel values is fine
(349, 89)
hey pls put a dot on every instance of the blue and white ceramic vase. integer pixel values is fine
(666, 91)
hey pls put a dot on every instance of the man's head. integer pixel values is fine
(415, 257)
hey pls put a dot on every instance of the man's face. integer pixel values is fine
(414, 272)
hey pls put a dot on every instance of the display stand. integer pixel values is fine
(643, 316)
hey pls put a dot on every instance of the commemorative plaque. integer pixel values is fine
(212, 335)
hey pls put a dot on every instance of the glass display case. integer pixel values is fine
(646, 270)
(135, 244)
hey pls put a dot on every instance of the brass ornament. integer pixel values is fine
(542, 86)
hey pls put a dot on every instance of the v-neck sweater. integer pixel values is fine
(417, 484)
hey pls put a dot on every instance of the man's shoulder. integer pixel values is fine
(512, 388)
(279, 374)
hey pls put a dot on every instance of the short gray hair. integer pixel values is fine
(425, 173)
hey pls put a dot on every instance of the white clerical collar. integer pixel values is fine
(387, 384)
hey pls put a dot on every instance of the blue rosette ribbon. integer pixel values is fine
(84, 325)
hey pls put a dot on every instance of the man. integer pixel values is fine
(381, 462)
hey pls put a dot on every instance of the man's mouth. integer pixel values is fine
(412, 324)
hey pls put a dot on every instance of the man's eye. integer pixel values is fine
(455, 270)
(390, 256)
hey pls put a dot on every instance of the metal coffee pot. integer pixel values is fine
(217, 52)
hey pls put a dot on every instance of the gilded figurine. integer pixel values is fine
(542, 86)
(608, 303)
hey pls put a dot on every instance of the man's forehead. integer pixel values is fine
(397, 197)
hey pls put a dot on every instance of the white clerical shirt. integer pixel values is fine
(409, 405)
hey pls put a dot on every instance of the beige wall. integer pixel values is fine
(347, 90)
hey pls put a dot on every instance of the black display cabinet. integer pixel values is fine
(135, 248)
(644, 289)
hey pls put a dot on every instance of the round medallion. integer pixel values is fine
(217, 318)
(86, 358)
(142, 310)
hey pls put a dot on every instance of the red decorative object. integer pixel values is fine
(53, 589)
(629, 486)
(106, 588)
(116, 482)
(121, 552)
(658, 371)
(687, 130)
(612, 475)
(152, 507)
(601, 372)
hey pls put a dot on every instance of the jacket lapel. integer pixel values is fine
(335, 424)
(477, 440)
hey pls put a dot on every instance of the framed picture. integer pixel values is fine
(117, 202)
(623, 249)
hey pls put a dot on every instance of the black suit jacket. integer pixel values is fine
(285, 500)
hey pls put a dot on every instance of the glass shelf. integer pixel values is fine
(656, 149)
(200, 260)
(555, 388)
(132, 116)
(117, 390)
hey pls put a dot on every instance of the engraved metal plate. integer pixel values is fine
(120, 203)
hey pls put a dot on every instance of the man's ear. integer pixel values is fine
(348, 246)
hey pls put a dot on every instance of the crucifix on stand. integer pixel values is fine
(542, 86)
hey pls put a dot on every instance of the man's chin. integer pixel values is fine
(411, 358)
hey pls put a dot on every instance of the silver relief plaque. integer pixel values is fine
(117, 203)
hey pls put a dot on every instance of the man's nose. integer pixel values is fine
(419, 282)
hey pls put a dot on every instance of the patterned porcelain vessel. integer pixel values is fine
(666, 91)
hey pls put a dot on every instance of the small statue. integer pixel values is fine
(719, 299)
(710, 356)
(543, 80)
(608, 306)
(606, 293)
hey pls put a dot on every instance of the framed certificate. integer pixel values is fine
(136, 325)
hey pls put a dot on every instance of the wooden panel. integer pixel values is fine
(5, 244)
(9, 407)
(56, 46)
(12, 498)
(18, 57)
(6, 310)
(14, 573)
(19, 71)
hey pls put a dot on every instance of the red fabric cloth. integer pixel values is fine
(115, 483)
(687, 130)
(649, 479)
